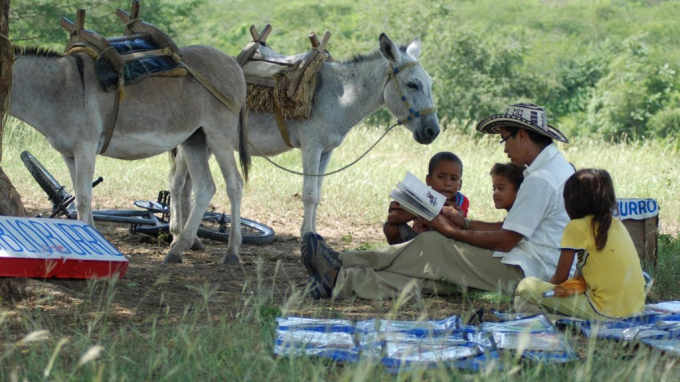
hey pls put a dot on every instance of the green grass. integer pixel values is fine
(359, 194)
(238, 347)
(97, 349)
(91, 342)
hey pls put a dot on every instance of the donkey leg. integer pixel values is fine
(180, 198)
(311, 195)
(186, 210)
(196, 157)
(179, 174)
(71, 165)
(229, 169)
(84, 160)
(323, 163)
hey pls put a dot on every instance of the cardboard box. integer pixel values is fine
(641, 218)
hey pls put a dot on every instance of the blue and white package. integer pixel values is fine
(631, 329)
(401, 344)
(667, 345)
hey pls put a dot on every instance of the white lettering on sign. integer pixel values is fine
(636, 209)
(53, 238)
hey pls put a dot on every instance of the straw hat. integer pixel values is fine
(525, 116)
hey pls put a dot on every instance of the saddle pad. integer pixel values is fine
(134, 70)
(268, 64)
(264, 53)
(263, 69)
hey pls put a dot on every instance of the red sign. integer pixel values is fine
(31, 247)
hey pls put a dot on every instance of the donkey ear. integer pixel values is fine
(388, 49)
(413, 48)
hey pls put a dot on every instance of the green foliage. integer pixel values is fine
(37, 22)
(603, 68)
(576, 79)
(665, 123)
(665, 272)
(634, 91)
(477, 75)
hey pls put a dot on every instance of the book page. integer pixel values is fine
(417, 197)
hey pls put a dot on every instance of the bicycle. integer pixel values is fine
(153, 217)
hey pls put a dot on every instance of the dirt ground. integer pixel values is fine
(151, 288)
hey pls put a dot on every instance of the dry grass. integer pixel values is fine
(141, 330)
(360, 194)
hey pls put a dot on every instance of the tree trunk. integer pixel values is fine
(6, 54)
(10, 201)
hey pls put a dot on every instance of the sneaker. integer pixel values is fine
(321, 262)
(316, 290)
(315, 243)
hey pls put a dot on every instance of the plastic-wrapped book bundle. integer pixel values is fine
(399, 344)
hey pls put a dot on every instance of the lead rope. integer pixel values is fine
(328, 173)
(391, 74)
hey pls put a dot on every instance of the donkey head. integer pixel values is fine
(408, 94)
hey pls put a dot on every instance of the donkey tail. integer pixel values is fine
(243, 151)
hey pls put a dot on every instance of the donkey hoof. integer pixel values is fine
(172, 258)
(198, 245)
(231, 259)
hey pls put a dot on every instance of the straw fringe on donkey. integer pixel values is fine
(60, 96)
(346, 93)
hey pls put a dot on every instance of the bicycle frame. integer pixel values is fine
(153, 216)
(135, 217)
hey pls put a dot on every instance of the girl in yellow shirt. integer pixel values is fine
(606, 257)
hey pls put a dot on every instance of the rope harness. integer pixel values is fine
(392, 75)
(413, 114)
(113, 117)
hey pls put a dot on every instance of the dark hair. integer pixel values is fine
(535, 137)
(444, 156)
(591, 192)
(510, 171)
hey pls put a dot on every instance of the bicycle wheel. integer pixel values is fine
(216, 227)
(55, 191)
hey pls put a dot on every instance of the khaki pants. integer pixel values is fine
(425, 263)
(529, 297)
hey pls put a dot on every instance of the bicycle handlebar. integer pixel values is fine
(61, 208)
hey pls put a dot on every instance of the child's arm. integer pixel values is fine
(563, 266)
(397, 215)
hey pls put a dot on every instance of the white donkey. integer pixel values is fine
(346, 93)
(61, 97)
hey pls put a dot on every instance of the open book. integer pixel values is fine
(418, 198)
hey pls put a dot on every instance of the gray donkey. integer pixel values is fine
(346, 93)
(59, 95)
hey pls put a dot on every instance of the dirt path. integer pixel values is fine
(272, 272)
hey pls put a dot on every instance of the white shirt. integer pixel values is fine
(538, 213)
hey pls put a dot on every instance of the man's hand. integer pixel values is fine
(497, 238)
(442, 224)
(454, 214)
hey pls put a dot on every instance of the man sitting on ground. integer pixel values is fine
(470, 253)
